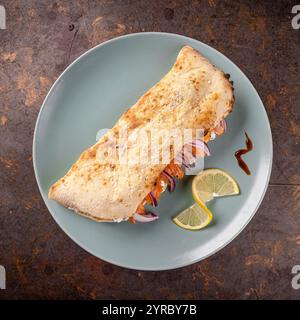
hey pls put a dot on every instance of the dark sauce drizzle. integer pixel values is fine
(239, 153)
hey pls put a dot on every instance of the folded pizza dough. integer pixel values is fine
(194, 94)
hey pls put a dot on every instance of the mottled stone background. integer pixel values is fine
(41, 39)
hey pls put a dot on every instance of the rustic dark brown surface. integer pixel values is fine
(41, 39)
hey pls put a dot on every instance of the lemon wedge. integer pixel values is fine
(207, 185)
(195, 217)
(212, 183)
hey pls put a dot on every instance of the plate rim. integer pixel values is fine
(91, 251)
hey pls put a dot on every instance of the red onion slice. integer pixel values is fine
(221, 127)
(179, 159)
(185, 158)
(153, 199)
(188, 154)
(149, 217)
(171, 180)
(223, 124)
(201, 145)
(185, 163)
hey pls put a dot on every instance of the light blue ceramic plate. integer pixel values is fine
(91, 94)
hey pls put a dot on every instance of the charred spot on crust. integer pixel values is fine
(53, 187)
(215, 96)
(135, 123)
(92, 153)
